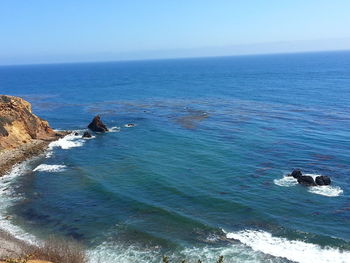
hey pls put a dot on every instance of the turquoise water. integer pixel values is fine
(202, 172)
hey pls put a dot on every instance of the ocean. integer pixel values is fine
(203, 171)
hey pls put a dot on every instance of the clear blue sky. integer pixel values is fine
(39, 31)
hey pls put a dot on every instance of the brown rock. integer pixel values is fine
(18, 125)
(22, 133)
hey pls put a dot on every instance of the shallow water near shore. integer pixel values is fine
(202, 172)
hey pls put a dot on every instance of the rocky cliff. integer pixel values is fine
(18, 125)
(22, 134)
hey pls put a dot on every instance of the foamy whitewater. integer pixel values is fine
(8, 197)
(53, 168)
(114, 129)
(325, 190)
(111, 252)
(294, 250)
(69, 141)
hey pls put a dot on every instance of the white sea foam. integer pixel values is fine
(325, 190)
(129, 125)
(293, 250)
(52, 168)
(67, 142)
(8, 196)
(231, 253)
(49, 154)
(286, 181)
(89, 138)
(114, 129)
(114, 253)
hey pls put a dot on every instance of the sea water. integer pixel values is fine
(202, 173)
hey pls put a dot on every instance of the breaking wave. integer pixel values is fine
(69, 141)
(8, 197)
(293, 250)
(53, 168)
(111, 252)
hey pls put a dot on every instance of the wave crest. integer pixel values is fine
(293, 250)
(67, 142)
(52, 168)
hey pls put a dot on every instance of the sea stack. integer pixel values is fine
(97, 125)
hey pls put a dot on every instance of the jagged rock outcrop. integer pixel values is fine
(22, 134)
(18, 125)
(97, 125)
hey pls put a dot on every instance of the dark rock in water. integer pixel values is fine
(87, 135)
(306, 180)
(323, 180)
(296, 174)
(76, 134)
(97, 125)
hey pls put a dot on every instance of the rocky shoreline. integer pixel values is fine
(10, 246)
(8, 158)
(23, 135)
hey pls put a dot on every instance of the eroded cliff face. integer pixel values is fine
(18, 125)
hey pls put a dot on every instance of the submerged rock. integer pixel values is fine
(323, 180)
(97, 125)
(306, 180)
(87, 135)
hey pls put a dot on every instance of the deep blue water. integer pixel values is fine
(201, 173)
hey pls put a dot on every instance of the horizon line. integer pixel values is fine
(175, 58)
